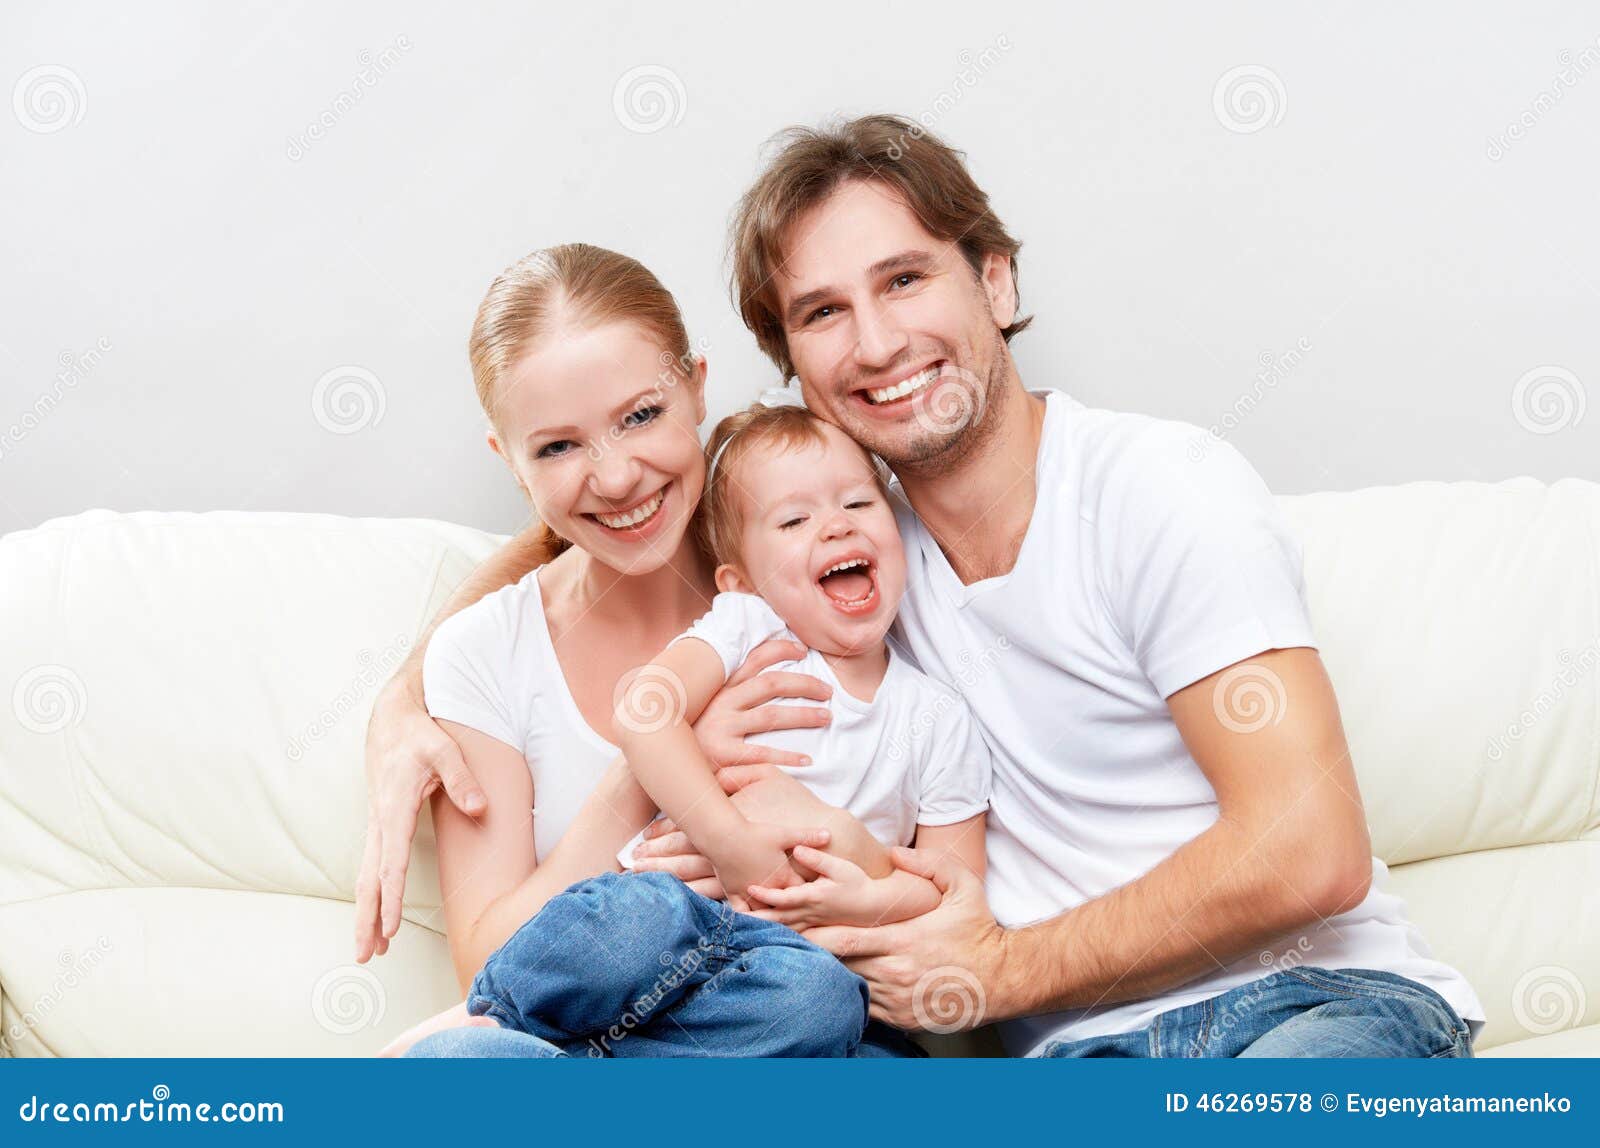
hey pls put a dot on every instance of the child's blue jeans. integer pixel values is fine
(641, 965)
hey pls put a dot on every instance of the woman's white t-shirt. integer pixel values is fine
(493, 667)
(1155, 557)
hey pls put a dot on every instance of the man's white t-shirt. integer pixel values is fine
(911, 756)
(1155, 557)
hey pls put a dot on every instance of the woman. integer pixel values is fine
(583, 367)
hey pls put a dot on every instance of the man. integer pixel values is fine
(1179, 861)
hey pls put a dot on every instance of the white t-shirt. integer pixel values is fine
(1155, 557)
(911, 756)
(493, 667)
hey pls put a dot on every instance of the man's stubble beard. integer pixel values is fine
(935, 454)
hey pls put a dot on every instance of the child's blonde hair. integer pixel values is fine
(719, 522)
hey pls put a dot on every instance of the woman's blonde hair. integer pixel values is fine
(720, 522)
(580, 284)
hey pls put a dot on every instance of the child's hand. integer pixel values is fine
(842, 894)
(758, 855)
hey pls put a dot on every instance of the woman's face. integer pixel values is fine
(601, 431)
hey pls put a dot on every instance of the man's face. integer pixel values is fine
(896, 340)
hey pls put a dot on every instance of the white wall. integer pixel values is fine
(225, 270)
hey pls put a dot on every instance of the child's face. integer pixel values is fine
(804, 512)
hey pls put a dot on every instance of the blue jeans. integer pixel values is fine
(1297, 1012)
(641, 965)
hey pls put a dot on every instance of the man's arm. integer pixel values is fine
(1289, 847)
(408, 756)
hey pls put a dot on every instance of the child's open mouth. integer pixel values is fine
(851, 584)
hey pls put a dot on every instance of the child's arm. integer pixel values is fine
(654, 720)
(843, 894)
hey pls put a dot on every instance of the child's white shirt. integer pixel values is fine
(911, 756)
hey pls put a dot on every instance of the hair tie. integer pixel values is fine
(784, 395)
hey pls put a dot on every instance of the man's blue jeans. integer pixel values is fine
(641, 965)
(1297, 1012)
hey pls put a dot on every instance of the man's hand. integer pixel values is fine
(407, 757)
(944, 970)
(740, 708)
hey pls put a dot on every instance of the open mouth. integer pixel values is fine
(636, 518)
(851, 584)
(905, 388)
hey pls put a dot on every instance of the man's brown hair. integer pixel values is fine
(811, 164)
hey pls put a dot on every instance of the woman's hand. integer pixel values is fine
(741, 708)
(407, 757)
(841, 894)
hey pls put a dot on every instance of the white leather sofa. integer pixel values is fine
(183, 699)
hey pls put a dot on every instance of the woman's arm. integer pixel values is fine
(489, 877)
(409, 757)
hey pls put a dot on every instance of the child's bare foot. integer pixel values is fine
(456, 1017)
